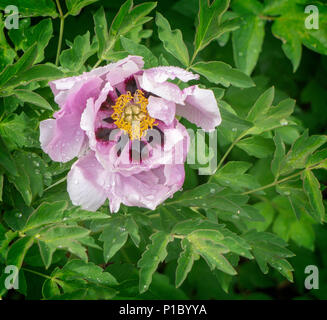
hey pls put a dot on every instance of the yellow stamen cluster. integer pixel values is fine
(131, 114)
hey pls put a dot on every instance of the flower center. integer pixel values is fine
(131, 114)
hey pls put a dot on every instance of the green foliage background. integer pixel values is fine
(246, 232)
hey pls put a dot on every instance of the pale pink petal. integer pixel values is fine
(63, 139)
(161, 109)
(87, 182)
(63, 88)
(155, 80)
(150, 188)
(200, 107)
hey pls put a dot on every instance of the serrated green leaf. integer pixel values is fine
(233, 175)
(33, 98)
(150, 60)
(7, 54)
(24, 63)
(36, 73)
(24, 37)
(302, 148)
(262, 105)
(222, 73)
(29, 8)
(46, 213)
(269, 249)
(114, 237)
(312, 189)
(278, 155)
(206, 244)
(6, 160)
(172, 40)
(184, 262)
(29, 181)
(257, 146)
(74, 58)
(247, 43)
(75, 6)
(155, 253)
(209, 18)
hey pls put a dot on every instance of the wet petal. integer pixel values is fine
(161, 109)
(86, 183)
(200, 107)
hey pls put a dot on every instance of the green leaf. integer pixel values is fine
(269, 249)
(140, 50)
(247, 42)
(24, 37)
(155, 253)
(290, 227)
(33, 98)
(114, 237)
(278, 155)
(101, 30)
(233, 175)
(29, 181)
(43, 72)
(79, 280)
(6, 160)
(46, 213)
(7, 54)
(172, 40)
(206, 243)
(18, 250)
(262, 105)
(290, 29)
(29, 8)
(302, 148)
(257, 146)
(312, 189)
(75, 6)
(318, 159)
(133, 230)
(14, 130)
(222, 73)
(232, 125)
(62, 233)
(209, 19)
(210, 195)
(74, 58)
(77, 269)
(184, 262)
(24, 63)
(61, 237)
(127, 19)
(275, 117)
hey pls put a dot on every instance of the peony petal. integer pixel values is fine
(162, 109)
(155, 80)
(86, 183)
(63, 139)
(150, 188)
(62, 88)
(200, 107)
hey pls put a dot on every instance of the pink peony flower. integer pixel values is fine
(119, 120)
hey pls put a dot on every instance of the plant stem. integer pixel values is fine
(282, 180)
(38, 273)
(97, 64)
(61, 32)
(228, 151)
(56, 183)
(273, 183)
